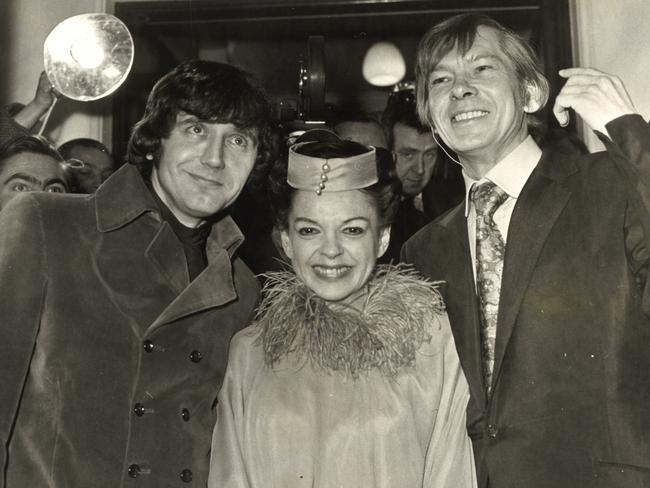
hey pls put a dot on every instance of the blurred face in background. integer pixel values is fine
(96, 168)
(28, 171)
(415, 157)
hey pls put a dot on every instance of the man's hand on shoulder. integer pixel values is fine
(596, 96)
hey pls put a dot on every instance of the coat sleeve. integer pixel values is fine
(227, 461)
(630, 152)
(404, 254)
(23, 288)
(450, 459)
(9, 128)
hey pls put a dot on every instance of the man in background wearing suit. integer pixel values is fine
(545, 263)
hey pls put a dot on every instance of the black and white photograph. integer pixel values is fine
(324, 244)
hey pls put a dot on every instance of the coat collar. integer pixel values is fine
(124, 198)
(511, 173)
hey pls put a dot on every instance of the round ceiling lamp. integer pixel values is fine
(383, 64)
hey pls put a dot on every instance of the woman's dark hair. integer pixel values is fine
(385, 193)
(210, 91)
(32, 144)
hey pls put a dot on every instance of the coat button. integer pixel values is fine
(148, 345)
(186, 475)
(196, 356)
(492, 431)
(138, 408)
(133, 471)
(185, 414)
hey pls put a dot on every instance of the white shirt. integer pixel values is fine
(510, 174)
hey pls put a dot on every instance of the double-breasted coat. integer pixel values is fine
(111, 360)
(570, 401)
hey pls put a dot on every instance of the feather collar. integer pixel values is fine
(399, 306)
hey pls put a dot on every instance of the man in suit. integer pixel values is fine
(117, 308)
(431, 183)
(545, 263)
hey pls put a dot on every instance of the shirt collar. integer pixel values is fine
(511, 173)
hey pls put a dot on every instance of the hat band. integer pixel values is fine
(333, 174)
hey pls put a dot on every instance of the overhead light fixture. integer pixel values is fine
(383, 64)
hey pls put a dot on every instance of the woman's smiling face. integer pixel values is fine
(333, 241)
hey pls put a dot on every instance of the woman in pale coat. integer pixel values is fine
(349, 376)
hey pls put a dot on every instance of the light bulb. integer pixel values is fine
(87, 52)
(383, 64)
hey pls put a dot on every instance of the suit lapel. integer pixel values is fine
(462, 301)
(540, 204)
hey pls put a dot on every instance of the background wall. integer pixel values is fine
(613, 37)
(27, 24)
(608, 35)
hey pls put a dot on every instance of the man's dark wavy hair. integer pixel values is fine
(210, 91)
(30, 144)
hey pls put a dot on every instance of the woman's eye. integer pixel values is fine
(54, 189)
(307, 231)
(354, 231)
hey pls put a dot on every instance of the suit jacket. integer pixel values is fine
(111, 360)
(570, 402)
(407, 222)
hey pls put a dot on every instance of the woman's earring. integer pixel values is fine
(149, 157)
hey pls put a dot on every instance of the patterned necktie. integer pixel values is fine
(490, 249)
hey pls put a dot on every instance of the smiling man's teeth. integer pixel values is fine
(330, 272)
(469, 115)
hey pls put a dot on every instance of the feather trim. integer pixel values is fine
(395, 321)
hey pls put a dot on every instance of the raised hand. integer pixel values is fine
(45, 92)
(596, 96)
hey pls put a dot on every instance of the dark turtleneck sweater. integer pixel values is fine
(193, 239)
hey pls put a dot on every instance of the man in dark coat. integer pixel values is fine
(431, 184)
(545, 264)
(117, 308)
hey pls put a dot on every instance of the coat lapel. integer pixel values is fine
(462, 302)
(540, 204)
(125, 198)
(166, 254)
(214, 287)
